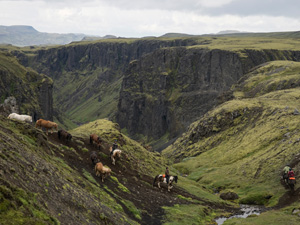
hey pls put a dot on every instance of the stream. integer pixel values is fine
(246, 210)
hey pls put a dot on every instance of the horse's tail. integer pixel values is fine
(155, 179)
(91, 140)
(59, 134)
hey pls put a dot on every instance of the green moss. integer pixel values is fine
(120, 186)
(89, 177)
(188, 214)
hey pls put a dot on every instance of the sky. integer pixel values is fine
(140, 18)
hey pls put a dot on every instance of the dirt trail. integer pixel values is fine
(145, 197)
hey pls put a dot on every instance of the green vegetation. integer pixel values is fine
(20, 82)
(20, 207)
(247, 141)
(188, 214)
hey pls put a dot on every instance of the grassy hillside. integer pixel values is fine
(145, 162)
(45, 180)
(243, 144)
(22, 83)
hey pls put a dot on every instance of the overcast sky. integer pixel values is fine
(139, 18)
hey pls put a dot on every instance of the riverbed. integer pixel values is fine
(246, 210)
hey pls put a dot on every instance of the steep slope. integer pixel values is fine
(243, 144)
(32, 91)
(45, 180)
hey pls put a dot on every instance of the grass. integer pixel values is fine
(247, 140)
(188, 214)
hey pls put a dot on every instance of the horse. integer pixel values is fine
(46, 124)
(102, 171)
(95, 138)
(114, 154)
(94, 158)
(24, 118)
(161, 178)
(64, 134)
(291, 183)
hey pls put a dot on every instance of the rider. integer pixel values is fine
(285, 171)
(114, 146)
(291, 173)
(167, 174)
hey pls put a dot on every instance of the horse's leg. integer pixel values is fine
(102, 175)
(113, 160)
(158, 184)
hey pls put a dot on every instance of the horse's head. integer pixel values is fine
(118, 152)
(108, 172)
(175, 179)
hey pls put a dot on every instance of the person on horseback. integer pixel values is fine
(167, 175)
(114, 146)
(291, 173)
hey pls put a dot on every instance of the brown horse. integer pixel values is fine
(114, 154)
(161, 178)
(46, 124)
(64, 134)
(102, 171)
(94, 138)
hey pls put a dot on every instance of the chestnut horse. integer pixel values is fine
(114, 154)
(160, 178)
(46, 124)
(64, 134)
(102, 171)
(95, 138)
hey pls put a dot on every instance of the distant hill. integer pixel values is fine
(176, 35)
(21, 35)
(231, 32)
(95, 38)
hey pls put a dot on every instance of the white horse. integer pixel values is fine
(114, 154)
(16, 116)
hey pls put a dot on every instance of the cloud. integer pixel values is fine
(147, 18)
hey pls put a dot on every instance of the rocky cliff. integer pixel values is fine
(164, 91)
(153, 87)
(87, 76)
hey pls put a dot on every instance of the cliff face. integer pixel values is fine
(87, 76)
(165, 91)
(151, 87)
(32, 91)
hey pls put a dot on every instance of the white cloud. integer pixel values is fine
(145, 18)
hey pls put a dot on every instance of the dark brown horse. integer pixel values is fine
(64, 134)
(94, 158)
(94, 138)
